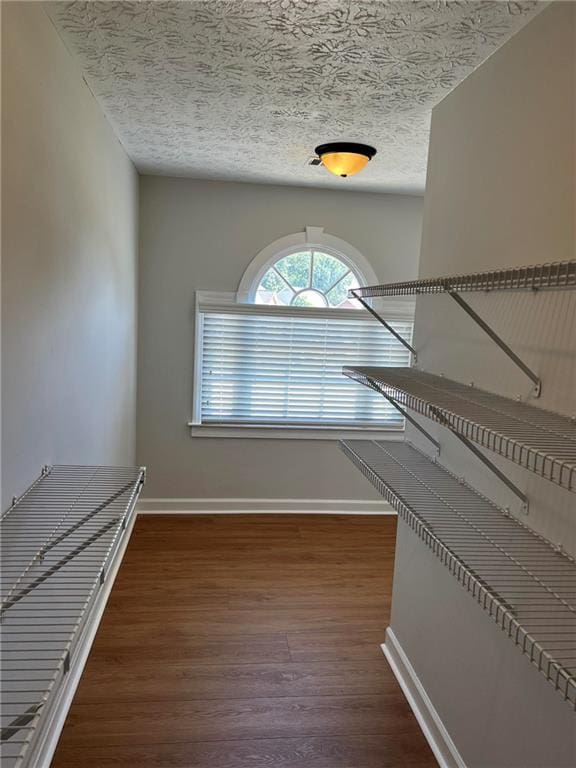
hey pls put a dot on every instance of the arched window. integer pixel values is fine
(271, 355)
(306, 269)
(308, 278)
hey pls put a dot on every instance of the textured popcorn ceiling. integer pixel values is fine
(245, 89)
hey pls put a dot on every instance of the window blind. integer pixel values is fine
(286, 370)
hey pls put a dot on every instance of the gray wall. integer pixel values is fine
(202, 235)
(500, 191)
(500, 711)
(69, 250)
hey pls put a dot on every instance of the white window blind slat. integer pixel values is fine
(286, 370)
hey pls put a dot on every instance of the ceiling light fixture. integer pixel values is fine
(343, 158)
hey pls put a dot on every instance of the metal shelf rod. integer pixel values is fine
(553, 276)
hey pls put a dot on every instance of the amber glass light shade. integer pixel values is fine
(344, 163)
(345, 158)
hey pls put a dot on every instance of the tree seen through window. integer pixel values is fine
(308, 279)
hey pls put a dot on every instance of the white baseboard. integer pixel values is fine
(433, 728)
(42, 752)
(232, 506)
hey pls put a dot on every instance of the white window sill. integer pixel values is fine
(294, 433)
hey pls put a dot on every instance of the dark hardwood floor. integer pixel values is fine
(246, 641)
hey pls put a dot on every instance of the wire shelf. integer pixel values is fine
(540, 441)
(58, 542)
(556, 275)
(526, 585)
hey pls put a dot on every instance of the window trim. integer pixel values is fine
(401, 309)
(276, 432)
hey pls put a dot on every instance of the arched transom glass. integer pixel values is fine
(308, 278)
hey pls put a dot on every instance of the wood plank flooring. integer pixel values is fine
(246, 641)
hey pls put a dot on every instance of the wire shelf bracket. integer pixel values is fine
(484, 459)
(534, 378)
(373, 385)
(525, 584)
(353, 294)
(540, 441)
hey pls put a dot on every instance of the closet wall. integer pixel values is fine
(69, 250)
(202, 235)
(500, 191)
